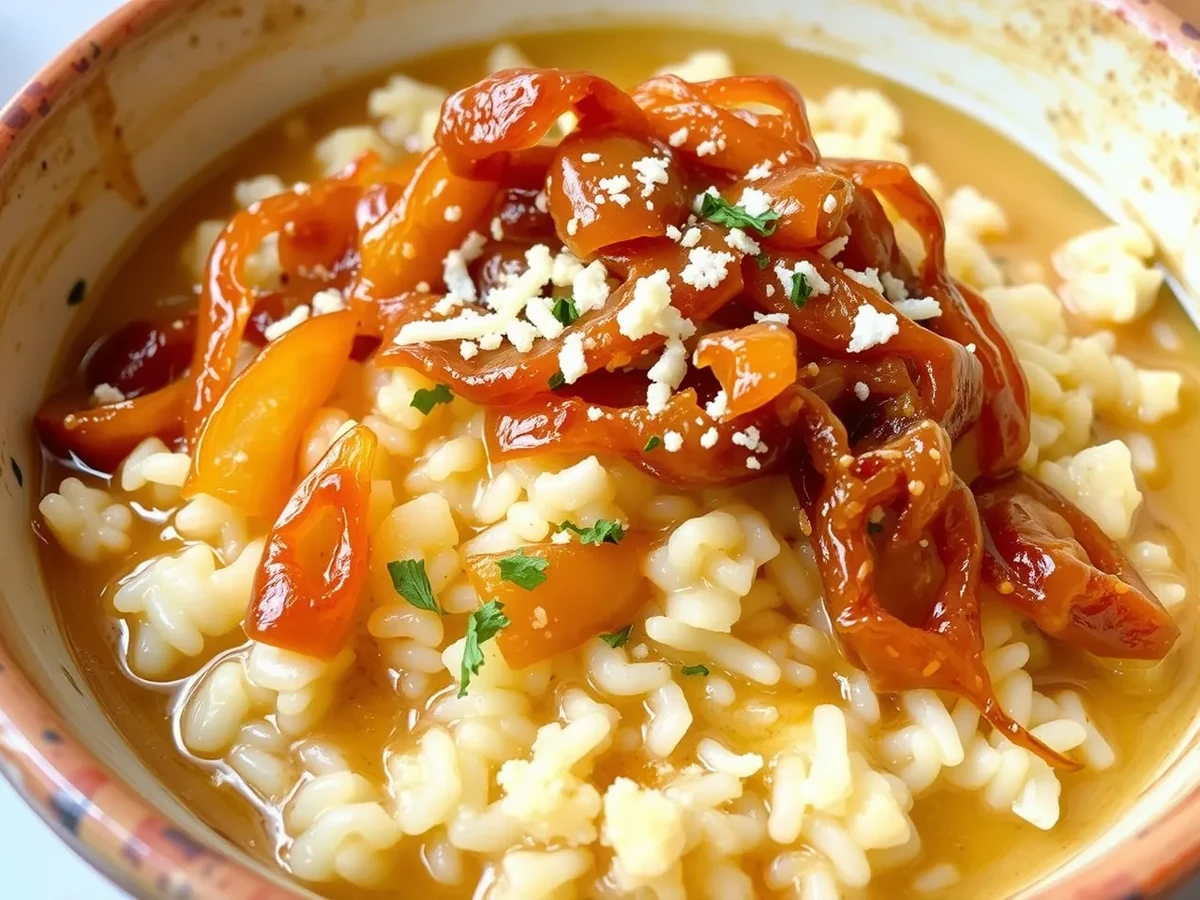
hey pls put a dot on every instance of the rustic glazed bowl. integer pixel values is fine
(1107, 92)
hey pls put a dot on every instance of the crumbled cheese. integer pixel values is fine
(590, 287)
(497, 229)
(706, 148)
(595, 414)
(672, 441)
(893, 288)
(642, 314)
(772, 318)
(769, 290)
(572, 226)
(674, 233)
(422, 287)
(468, 350)
(566, 269)
(276, 330)
(742, 242)
(708, 440)
(453, 213)
(327, 301)
(104, 394)
(454, 266)
(970, 348)
(561, 537)
(718, 406)
(571, 360)
(541, 202)
(760, 171)
(539, 314)
(867, 278)
(678, 138)
(751, 439)
(919, 309)
(651, 171)
(872, 328)
(658, 395)
(753, 464)
(691, 237)
(861, 391)
(521, 335)
(698, 200)
(830, 204)
(755, 202)
(705, 268)
(834, 247)
(615, 187)
(817, 284)
(590, 157)
(491, 341)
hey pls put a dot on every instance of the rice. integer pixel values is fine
(778, 764)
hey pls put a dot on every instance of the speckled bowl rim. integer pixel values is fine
(142, 851)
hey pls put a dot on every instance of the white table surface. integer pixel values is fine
(35, 863)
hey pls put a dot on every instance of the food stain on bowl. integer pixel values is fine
(595, 488)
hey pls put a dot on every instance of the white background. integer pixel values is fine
(35, 864)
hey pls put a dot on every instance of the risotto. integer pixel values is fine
(657, 487)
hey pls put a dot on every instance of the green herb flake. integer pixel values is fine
(564, 310)
(763, 260)
(801, 290)
(524, 571)
(695, 670)
(721, 212)
(485, 623)
(556, 381)
(605, 531)
(653, 443)
(874, 527)
(426, 399)
(411, 583)
(617, 639)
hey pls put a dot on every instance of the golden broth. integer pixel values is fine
(996, 854)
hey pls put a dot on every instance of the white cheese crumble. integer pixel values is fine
(666, 375)
(760, 171)
(522, 334)
(276, 330)
(566, 269)
(327, 301)
(674, 233)
(678, 138)
(651, 298)
(453, 213)
(651, 171)
(708, 440)
(834, 247)
(698, 201)
(691, 238)
(595, 414)
(468, 350)
(755, 202)
(868, 278)
(705, 268)
(104, 394)
(893, 288)
(771, 318)
(751, 439)
(615, 187)
(561, 537)
(919, 309)
(872, 328)
(861, 390)
(672, 441)
(590, 287)
(497, 229)
(590, 157)
(572, 226)
(718, 406)
(454, 267)
(753, 464)
(830, 204)
(541, 202)
(706, 148)
(571, 360)
(742, 242)
(658, 395)
(817, 285)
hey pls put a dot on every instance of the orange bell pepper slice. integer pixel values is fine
(246, 454)
(589, 589)
(316, 560)
(754, 364)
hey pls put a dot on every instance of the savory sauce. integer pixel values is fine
(1144, 718)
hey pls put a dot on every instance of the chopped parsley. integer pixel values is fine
(604, 531)
(564, 310)
(763, 260)
(485, 623)
(426, 399)
(801, 290)
(617, 639)
(653, 443)
(411, 583)
(556, 380)
(523, 571)
(720, 211)
(695, 670)
(874, 527)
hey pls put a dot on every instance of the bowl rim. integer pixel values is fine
(138, 848)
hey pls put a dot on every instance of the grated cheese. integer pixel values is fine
(919, 309)
(595, 414)
(861, 390)
(893, 288)
(651, 171)
(468, 350)
(872, 328)
(590, 287)
(742, 242)
(327, 301)
(708, 440)
(691, 237)
(760, 171)
(571, 360)
(678, 138)
(706, 148)
(672, 441)
(834, 247)
(706, 268)
(868, 278)
(718, 406)
(755, 202)
(753, 464)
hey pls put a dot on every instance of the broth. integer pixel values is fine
(996, 854)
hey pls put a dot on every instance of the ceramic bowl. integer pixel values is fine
(1106, 92)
